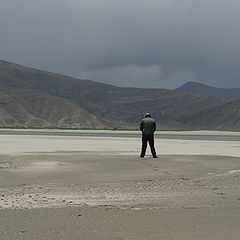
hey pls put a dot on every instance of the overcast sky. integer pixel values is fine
(142, 43)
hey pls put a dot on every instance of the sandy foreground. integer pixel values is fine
(63, 187)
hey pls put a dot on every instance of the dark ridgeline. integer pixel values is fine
(30, 97)
(205, 90)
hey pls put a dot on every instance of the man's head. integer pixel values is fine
(147, 115)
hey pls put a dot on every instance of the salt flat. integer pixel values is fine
(65, 187)
(21, 144)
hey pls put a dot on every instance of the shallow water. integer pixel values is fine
(130, 135)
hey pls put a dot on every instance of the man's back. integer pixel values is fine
(148, 126)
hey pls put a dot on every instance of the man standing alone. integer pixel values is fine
(148, 127)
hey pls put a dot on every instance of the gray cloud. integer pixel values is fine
(154, 43)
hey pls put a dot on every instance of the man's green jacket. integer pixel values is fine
(148, 126)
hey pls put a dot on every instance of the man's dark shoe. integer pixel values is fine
(155, 156)
(141, 156)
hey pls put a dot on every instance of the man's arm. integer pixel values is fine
(154, 126)
(141, 126)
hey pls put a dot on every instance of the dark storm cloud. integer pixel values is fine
(154, 43)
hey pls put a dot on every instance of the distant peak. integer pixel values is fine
(205, 90)
(193, 84)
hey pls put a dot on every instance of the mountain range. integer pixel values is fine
(205, 90)
(35, 98)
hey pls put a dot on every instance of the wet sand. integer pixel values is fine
(68, 188)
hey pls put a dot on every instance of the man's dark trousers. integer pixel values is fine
(148, 138)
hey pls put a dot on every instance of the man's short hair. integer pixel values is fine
(147, 115)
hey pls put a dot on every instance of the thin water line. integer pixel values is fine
(128, 135)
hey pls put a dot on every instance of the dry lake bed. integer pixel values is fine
(92, 185)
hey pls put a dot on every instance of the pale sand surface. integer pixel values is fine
(20, 144)
(54, 187)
